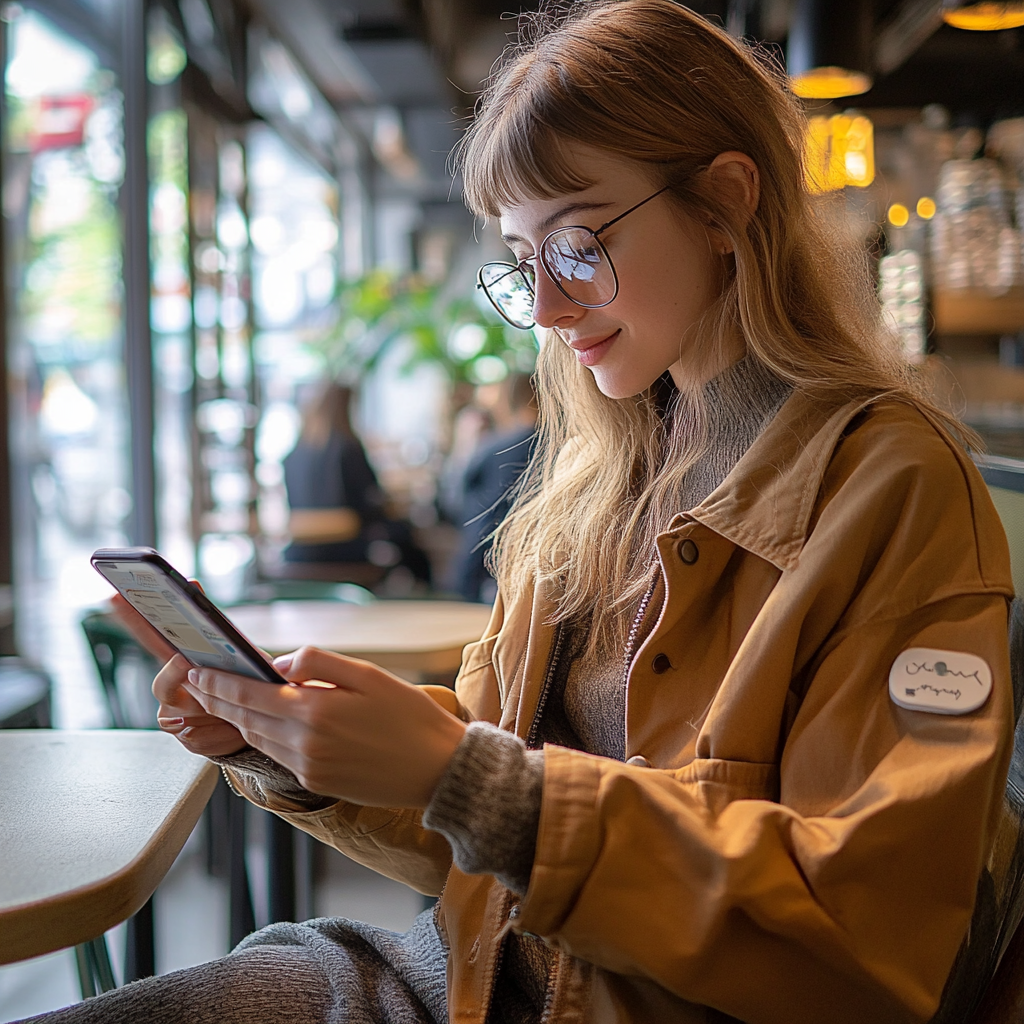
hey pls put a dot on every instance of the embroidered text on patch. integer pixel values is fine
(942, 682)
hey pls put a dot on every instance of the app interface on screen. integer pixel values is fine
(151, 593)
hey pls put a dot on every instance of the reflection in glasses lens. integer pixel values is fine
(578, 264)
(510, 292)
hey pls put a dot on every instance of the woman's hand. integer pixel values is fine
(348, 729)
(183, 716)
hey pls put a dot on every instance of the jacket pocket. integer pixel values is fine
(718, 782)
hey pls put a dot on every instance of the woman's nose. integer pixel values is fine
(551, 308)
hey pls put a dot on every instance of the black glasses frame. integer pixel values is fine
(517, 268)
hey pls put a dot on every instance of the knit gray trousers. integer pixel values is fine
(326, 971)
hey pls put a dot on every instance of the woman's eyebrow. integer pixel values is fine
(563, 211)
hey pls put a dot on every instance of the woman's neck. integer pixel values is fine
(700, 364)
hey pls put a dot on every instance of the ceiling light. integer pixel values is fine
(983, 17)
(840, 151)
(830, 83)
(829, 52)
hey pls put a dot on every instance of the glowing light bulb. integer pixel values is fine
(898, 215)
(926, 208)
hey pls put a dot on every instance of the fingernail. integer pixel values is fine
(193, 676)
(170, 723)
(283, 663)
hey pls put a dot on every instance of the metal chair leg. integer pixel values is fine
(281, 868)
(140, 948)
(104, 971)
(243, 920)
(95, 972)
(84, 965)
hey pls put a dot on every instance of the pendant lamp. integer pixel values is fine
(983, 17)
(829, 52)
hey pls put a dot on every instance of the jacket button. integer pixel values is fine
(661, 663)
(688, 551)
(639, 761)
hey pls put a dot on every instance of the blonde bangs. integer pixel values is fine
(514, 157)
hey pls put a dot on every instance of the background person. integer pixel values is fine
(338, 508)
(489, 480)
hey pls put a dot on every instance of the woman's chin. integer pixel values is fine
(620, 385)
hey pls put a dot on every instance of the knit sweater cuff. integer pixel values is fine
(487, 805)
(265, 779)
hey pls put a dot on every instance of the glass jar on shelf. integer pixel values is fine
(974, 245)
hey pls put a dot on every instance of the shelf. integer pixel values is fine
(971, 312)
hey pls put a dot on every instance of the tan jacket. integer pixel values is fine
(787, 845)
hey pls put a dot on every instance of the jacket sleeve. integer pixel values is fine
(834, 884)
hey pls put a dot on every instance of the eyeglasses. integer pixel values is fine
(573, 257)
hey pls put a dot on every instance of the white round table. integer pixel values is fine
(419, 637)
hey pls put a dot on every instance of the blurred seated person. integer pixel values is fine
(338, 511)
(490, 479)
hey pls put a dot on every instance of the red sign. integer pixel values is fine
(59, 121)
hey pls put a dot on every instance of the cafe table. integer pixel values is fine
(90, 822)
(414, 639)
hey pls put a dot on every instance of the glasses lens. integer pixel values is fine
(510, 291)
(579, 266)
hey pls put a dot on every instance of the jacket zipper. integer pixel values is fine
(634, 630)
(552, 984)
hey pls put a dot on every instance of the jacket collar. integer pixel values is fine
(765, 504)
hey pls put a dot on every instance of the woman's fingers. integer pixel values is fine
(170, 692)
(185, 718)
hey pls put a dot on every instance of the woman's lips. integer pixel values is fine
(591, 353)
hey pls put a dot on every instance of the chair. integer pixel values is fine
(24, 695)
(986, 984)
(114, 649)
(1003, 998)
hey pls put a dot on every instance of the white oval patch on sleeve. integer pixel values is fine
(943, 682)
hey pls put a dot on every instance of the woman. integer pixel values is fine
(337, 505)
(694, 771)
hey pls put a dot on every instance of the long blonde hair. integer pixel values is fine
(651, 81)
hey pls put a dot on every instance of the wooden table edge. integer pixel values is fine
(66, 919)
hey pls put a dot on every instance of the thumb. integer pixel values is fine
(310, 664)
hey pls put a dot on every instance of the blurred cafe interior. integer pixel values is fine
(228, 224)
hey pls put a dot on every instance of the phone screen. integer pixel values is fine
(165, 607)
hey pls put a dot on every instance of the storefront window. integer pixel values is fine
(64, 162)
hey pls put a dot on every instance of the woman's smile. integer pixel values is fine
(590, 351)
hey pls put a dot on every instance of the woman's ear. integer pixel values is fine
(737, 175)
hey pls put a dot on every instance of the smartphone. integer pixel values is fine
(181, 612)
